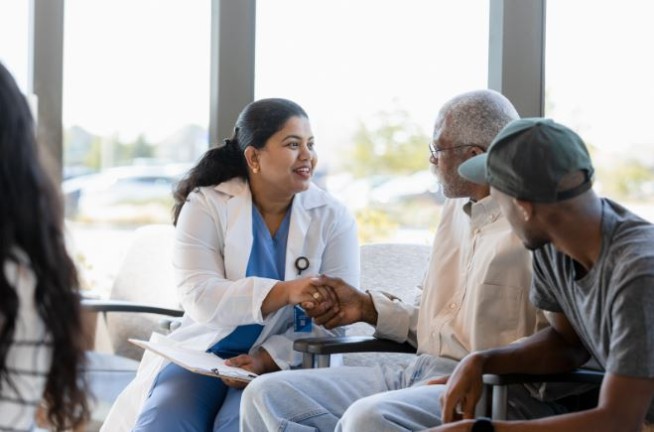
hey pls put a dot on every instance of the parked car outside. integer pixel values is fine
(123, 195)
(419, 186)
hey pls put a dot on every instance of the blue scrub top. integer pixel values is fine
(267, 259)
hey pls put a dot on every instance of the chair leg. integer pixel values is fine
(307, 360)
(500, 398)
(323, 361)
(310, 361)
(481, 410)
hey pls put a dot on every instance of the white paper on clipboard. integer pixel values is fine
(196, 361)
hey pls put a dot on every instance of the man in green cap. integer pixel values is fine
(593, 270)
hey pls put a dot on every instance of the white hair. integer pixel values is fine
(476, 117)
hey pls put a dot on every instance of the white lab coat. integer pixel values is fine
(212, 249)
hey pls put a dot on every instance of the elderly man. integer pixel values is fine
(593, 269)
(474, 297)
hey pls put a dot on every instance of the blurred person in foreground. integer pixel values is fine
(474, 296)
(251, 230)
(41, 351)
(593, 270)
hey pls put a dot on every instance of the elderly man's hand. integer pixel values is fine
(351, 305)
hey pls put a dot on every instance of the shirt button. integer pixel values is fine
(452, 305)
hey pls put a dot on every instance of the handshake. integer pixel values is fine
(331, 302)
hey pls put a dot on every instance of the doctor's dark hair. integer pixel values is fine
(32, 236)
(257, 122)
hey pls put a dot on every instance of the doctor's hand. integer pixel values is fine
(259, 363)
(299, 291)
(304, 291)
(352, 305)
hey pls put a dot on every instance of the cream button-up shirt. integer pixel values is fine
(475, 293)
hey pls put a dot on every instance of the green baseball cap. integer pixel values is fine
(529, 158)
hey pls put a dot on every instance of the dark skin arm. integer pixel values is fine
(552, 350)
(622, 407)
(623, 400)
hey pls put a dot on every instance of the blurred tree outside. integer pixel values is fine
(374, 226)
(624, 176)
(627, 180)
(124, 153)
(93, 158)
(395, 146)
(392, 146)
(83, 149)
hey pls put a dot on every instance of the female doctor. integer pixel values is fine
(251, 231)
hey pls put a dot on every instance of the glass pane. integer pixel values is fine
(136, 111)
(372, 75)
(14, 42)
(599, 82)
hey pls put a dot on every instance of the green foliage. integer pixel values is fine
(93, 157)
(395, 146)
(84, 149)
(374, 226)
(624, 180)
(125, 152)
(141, 148)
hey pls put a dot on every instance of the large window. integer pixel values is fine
(136, 113)
(372, 75)
(14, 34)
(136, 95)
(599, 82)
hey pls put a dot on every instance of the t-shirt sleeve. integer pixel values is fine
(543, 285)
(631, 351)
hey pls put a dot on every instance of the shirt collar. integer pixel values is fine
(482, 212)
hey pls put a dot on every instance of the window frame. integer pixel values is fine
(515, 65)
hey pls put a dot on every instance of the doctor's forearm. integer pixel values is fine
(276, 299)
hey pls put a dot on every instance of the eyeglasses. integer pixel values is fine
(435, 151)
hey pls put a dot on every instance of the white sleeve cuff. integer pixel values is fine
(393, 317)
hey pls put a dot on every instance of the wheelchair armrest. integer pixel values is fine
(499, 385)
(577, 376)
(127, 306)
(350, 344)
(321, 348)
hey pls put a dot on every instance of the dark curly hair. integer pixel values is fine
(257, 122)
(31, 221)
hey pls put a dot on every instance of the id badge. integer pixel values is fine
(303, 323)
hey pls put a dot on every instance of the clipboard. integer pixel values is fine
(196, 361)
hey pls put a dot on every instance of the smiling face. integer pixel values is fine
(285, 165)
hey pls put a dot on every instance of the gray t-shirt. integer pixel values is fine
(612, 306)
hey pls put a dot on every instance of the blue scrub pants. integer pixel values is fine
(182, 401)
